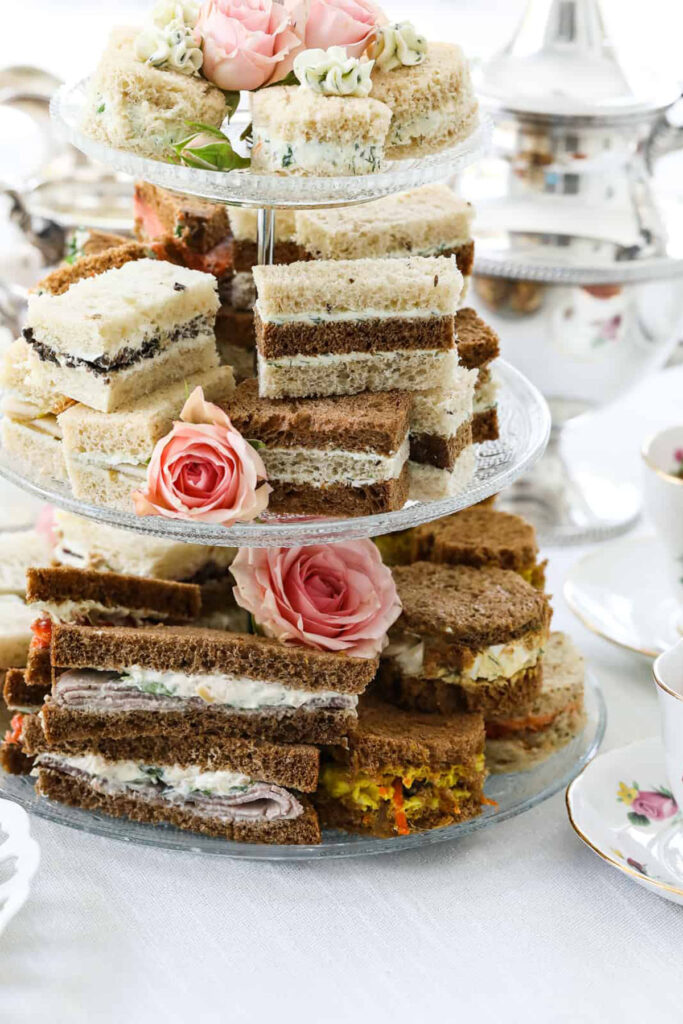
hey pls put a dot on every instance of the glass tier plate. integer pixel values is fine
(243, 188)
(524, 432)
(514, 793)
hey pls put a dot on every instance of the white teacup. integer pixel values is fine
(668, 672)
(663, 499)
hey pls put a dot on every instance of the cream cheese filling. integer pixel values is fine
(46, 426)
(404, 131)
(485, 395)
(374, 358)
(493, 662)
(349, 315)
(357, 157)
(68, 611)
(238, 692)
(322, 467)
(182, 781)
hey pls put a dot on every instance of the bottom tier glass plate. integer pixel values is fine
(524, 431)
(514, 793)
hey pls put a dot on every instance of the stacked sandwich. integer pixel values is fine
(474, 635)
(209, 731)
(19, 549)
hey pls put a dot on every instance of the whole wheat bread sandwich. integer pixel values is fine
(109, 258)
(345, 456)
(403, 771)
(13, 757)
(335, 327)
(467, 640)
(481, 537)
(240, 789)
(178, 681)
(64, 594)
(532, 732)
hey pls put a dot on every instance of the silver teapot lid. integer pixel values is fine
(561, 63)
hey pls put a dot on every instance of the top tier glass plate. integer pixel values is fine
(242, 188)
(524, 431)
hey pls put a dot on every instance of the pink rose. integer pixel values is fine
(655, 806)
(250, 43)
(349, 23)
(204, 470)
(334, 597)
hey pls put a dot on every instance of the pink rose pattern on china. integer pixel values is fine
(647, 805)
(333, 597)
(204, 470)
(250, 43)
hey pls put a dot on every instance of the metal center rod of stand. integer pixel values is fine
(265, 234)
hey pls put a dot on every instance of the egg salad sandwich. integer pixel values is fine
(61, 594)
(481, 537)
(246, 790)
(403, 771)
(175, 680)
(467, 640)
(532, 732)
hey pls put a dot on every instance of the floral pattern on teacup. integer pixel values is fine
(647, 805)
(678, 459)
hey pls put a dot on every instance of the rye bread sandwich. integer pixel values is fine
(177, 681)
(532, 732)
(403, 771)
(86, 597)
(482, 537)
(467, 640)
(241, 789)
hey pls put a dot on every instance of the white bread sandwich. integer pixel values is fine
(112, 338)
(107, 453)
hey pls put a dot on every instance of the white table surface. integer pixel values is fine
(518, 923)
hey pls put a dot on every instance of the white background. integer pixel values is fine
(521, 923)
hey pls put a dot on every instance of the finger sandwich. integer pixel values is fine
(332, 327)
(107, 453)
(403, 772)
(478, 346)
(467, 640)
(111, 338)
(175, 681)
(345, 456)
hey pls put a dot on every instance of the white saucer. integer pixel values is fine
(19, 859)
(620, 591)
(621, 807)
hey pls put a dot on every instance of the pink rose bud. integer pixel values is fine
(249, 43)
(348, 23)
(678, 455)
(204, 470)
(333, 597)
(653, 805)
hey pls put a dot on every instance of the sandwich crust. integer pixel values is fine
(340, 499)
(478, 537)
(23, 691)
(192, 650)
(485, 426)
(179, 601)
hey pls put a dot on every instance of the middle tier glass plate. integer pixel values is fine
(524, 431)
(245, 188)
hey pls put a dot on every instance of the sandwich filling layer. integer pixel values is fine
(493, 662)
(223, 794)
(48, 347)
(318, 316)
(278, 153)
(321, 467)
(138, 688)
(399, 797)
(94, 613)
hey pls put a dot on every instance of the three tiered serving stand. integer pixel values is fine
(524, 429)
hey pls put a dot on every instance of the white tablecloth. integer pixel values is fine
(518, 923)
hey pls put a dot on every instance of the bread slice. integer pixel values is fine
(36, 444)
(431, 483)
(298, 131)
(243, 221)
(426, 221)
(23, 397)
(485, 426)
(477, 343)
(480, 537)
(458, 693)
(532, 732)
(195, 223)
(135, 106)
(21, 695)
(433, 104)
(15, 631)
(61, 279)
(13, 759)
(20, 549)
(403, 772)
